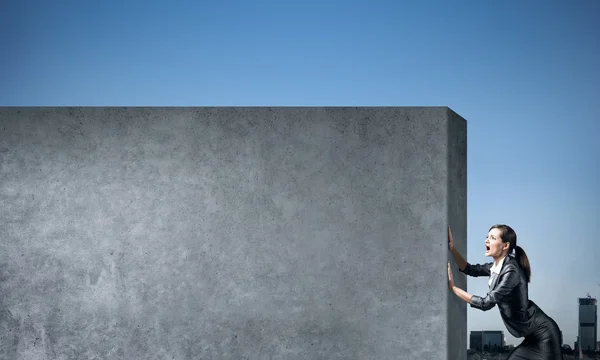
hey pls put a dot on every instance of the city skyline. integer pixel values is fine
(587, 297)
(523, 75)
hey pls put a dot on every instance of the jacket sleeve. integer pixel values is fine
(506, 284)
(477, 270)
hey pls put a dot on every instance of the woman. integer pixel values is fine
(509, 275)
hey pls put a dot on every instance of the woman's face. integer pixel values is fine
(494, 245)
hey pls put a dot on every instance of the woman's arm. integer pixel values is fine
(462, 294)
(463, 265)
(477, 269)
(460, 261)
(506, 284)
(468, 269)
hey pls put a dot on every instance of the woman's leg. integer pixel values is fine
(525, 351)
(543, 344)
(554, 347)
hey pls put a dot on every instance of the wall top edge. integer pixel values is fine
(226, 107)
(451, 114)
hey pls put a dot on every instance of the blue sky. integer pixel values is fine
(525, 74)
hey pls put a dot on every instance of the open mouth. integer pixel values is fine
(487, 248)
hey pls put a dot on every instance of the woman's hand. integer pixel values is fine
(450, 240)
(450, 278)
(456, 290)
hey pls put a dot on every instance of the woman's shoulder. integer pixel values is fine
(510, 263)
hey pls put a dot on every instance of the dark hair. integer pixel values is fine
(510, 236)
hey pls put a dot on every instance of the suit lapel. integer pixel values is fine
(495, 276)
(494, 280)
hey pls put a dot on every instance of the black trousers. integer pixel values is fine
(542, 344)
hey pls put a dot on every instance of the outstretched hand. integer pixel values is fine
(450, 240)
(450, 278)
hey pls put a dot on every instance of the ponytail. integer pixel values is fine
(523, 261)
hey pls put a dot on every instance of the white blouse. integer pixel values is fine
(496, 269)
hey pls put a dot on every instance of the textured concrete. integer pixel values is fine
(230, 233)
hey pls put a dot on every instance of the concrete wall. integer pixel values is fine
(230, 233)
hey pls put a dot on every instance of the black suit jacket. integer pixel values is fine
(509, 291)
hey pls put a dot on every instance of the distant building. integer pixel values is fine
(490, 340)
(588, 324)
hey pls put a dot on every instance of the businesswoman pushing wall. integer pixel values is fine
(509, 275)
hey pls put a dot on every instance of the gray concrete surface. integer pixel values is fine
(230, 233)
